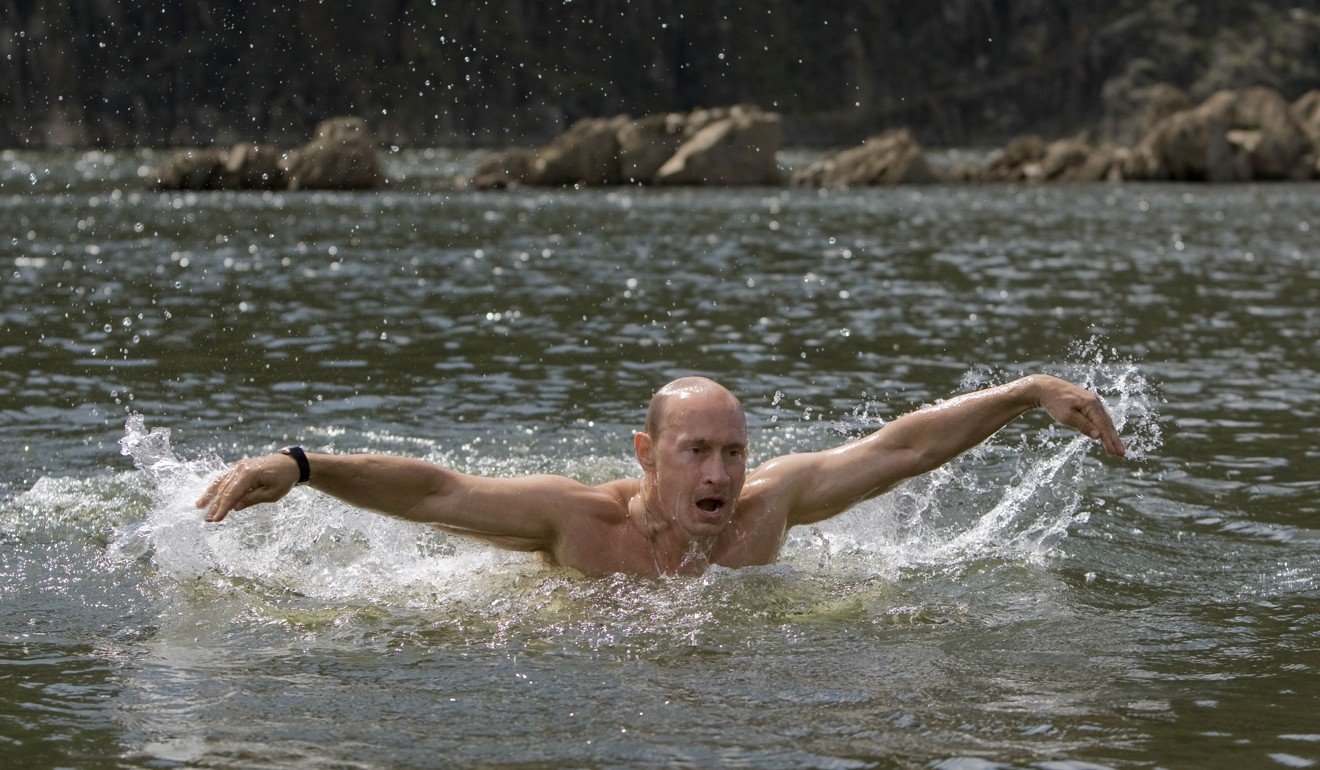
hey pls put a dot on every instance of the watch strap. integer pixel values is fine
(300, 457)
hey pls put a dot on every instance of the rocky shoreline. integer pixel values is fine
(341, 156)
(1233, 136)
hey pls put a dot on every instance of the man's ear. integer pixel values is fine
(642, 446)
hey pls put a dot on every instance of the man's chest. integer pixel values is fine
(753, 538)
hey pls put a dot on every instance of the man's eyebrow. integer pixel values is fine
(705, 442)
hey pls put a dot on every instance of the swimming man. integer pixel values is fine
(695, 505)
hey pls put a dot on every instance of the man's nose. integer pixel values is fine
(715, 471)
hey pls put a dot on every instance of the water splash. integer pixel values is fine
(1007, 498)
(306, 544)
(1011, 498)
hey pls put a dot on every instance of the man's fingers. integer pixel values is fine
(232, 487)
(250, 482)
(211, 489)
(1101, 427)
(220, 505)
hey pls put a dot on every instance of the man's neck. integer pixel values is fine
(672, 551)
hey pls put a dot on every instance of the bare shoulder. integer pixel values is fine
(592, 505)
(611, 498)
(807, 487)
(532, 513)
(576, 499)
(780, 475)
(600, 540)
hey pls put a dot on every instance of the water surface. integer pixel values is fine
(1033, 605)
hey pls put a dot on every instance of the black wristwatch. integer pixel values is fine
(300, 457)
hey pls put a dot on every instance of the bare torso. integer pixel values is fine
(610, 539)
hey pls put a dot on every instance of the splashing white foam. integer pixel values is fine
(1004, 499)
(307, 544)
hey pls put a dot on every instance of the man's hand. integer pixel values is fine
(1077, 408)
(251, 481)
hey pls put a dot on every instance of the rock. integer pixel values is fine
(1073, 160)
(723, 146)
(1306, 111)
(1011, 164)
(1232, 136)
(962, 172)
(1031, 159)
(1123, 163)
(739, 148)
(340, 157)
(195, 169)
(1161, 101)
(696, 120)
(586, 154)
(1058, 159)
(251, 167)
(1183, 146)
(502, 170)
(646, 143)
(894, 157)
(1279, 143)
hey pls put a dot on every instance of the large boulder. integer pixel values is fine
(192, 169)
(698, 119)
(1073, 160)
(894, 157)
(251, 167)
(586, 154)
(737, 148)
(1032, 159)
(1185, 146)
(722, 146)
(1011, 165)
(341, 156)
(1272, 138)
(1161, 101)
(1306, 111)
(647, 143)
(1232, 136)
(501, 170)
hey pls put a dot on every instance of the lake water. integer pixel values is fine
(1034, 604)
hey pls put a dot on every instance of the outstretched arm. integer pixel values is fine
(522, 513)
(818, 485)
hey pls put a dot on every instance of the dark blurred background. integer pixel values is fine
(127, 73)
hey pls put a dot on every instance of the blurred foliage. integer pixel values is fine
(128, 73)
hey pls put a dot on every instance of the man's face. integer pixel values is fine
(699, 462)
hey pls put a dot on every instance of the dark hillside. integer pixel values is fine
(127, 73)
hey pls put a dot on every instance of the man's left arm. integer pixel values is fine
(818, 485)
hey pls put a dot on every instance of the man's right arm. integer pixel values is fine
(818, 485)
(523, 512)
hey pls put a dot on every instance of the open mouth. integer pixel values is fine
(710, 504)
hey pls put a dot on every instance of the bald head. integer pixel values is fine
(679, 390)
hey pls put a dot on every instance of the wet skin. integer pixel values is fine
(694, 506)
